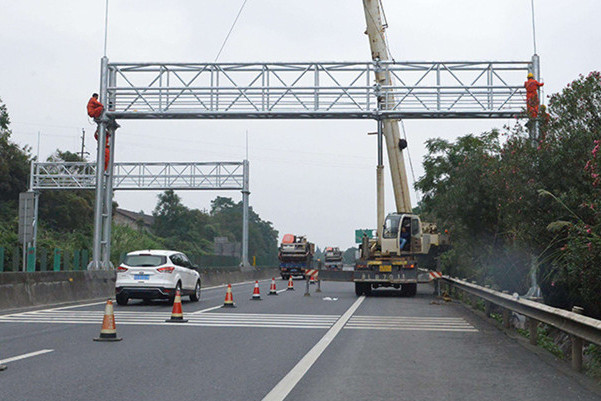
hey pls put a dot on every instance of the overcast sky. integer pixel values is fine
(307, 177)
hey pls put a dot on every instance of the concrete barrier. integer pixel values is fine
(22, 290)
(217, 277)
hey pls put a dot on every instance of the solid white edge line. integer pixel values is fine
(285, 386)
(29, 355)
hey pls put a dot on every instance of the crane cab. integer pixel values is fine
(402, 235)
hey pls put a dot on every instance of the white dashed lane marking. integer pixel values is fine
(410, 323)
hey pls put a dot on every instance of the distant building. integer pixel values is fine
(223, 247)
(132, 219)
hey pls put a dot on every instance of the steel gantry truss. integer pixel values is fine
(206, 176)
(464, 89)
(343, 90)
(143, 176)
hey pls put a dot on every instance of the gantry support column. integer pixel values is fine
(96, 263)
(380, 183)
(107, 215)
(245, 194)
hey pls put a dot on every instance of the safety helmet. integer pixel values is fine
(530, 75)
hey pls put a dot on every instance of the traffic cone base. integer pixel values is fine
(2, 367)
(177, 316)
(229, 298)
(108, 332)
(256, 293)
(272, 289)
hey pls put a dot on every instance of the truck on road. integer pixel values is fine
(295, 255)
(333, 258)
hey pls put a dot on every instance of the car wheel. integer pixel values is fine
(122, 299)
(195, 297)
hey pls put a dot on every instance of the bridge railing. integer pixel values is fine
(579, 327)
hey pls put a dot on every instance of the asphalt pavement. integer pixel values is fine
(327, 346)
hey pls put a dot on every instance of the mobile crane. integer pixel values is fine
(391, 259)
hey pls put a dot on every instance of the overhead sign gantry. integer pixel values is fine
(313, 90)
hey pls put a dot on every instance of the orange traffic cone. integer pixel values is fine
(290, 284)
(272, 289)
(312, 280)
(256, 293)
(108, 332)
(177, 316)
(229, 298)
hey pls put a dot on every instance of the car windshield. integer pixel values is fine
(144, 260)
(391, 226)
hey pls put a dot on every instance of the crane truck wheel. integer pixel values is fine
(409, 290)
(362, 288)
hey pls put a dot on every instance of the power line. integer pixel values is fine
(231, 29)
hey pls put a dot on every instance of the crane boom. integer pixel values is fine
(390, 128)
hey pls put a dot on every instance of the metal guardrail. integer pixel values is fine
(578, 326)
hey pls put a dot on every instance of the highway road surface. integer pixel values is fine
(331, 346)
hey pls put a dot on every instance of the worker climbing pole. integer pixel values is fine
(532, 86)
(532, 98)
(95, 109)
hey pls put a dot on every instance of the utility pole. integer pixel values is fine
(83, 143)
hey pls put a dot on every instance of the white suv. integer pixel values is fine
(155, 274)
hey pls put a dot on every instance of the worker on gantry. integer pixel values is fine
(95, 108)
(532, 101)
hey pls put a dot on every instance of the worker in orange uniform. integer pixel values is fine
(107, 149)
(95, 108)
(532, 101)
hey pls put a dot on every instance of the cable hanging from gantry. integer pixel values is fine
(417, 193)
(231, 30)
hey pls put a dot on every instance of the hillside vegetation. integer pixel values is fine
(511, 203)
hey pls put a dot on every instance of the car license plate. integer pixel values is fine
(386, 268)
(141, 277)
